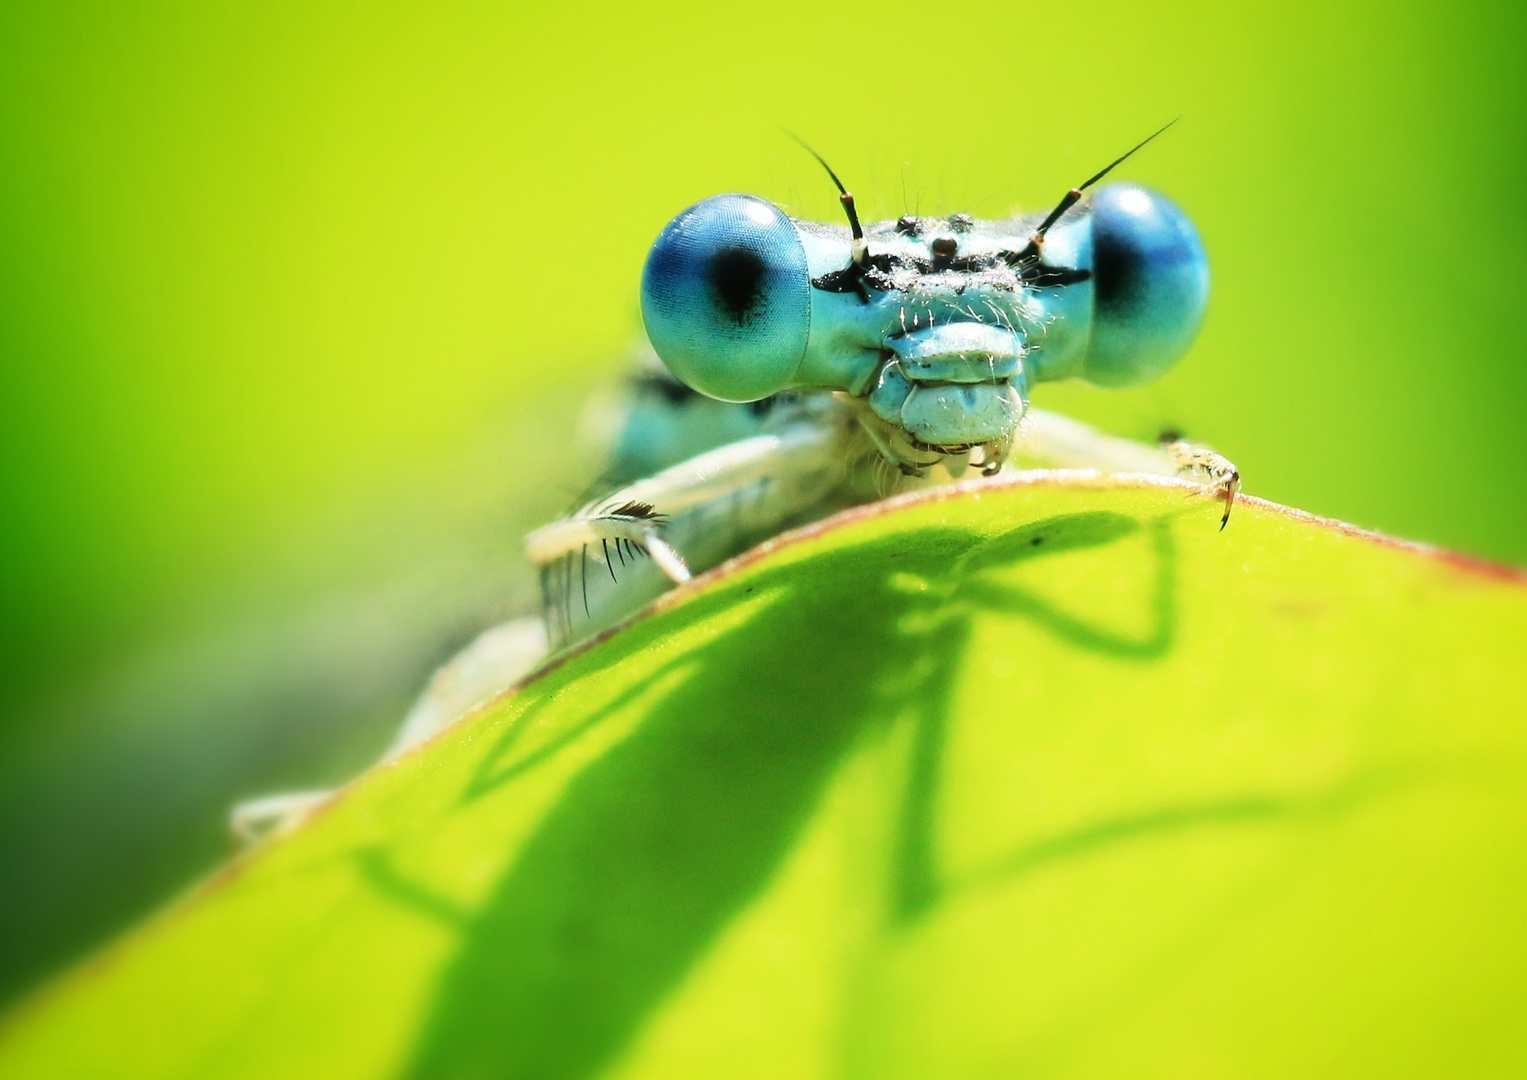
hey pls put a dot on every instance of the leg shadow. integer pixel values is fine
(655, 846)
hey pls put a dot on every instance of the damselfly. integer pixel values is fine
(798, 368)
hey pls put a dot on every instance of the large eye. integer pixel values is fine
(1150, 281)
(727, 298)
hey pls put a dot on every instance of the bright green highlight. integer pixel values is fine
(1040, 780)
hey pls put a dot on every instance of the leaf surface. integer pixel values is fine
(1045, 777)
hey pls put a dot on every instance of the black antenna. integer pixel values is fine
(1070, 199)
(846, 197)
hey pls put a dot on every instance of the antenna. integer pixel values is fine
(1070, 198)
(861, 249)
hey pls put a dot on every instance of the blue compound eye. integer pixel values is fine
(1150, 281)
(726, 297)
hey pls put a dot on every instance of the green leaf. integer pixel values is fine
(1030, 777)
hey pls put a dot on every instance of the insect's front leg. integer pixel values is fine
(1060, 441)
(796, 462)
(1219, 475)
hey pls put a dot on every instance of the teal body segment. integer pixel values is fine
(940, 325)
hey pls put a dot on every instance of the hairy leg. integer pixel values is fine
(784, 471)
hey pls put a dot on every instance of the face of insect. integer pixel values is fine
(939, 324)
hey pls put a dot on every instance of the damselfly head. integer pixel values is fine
(938, 324)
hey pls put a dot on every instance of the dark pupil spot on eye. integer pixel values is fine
(736, 281)
(1119, 271)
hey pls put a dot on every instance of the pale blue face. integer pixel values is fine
(943, 325)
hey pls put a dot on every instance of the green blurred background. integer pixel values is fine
(299, 305)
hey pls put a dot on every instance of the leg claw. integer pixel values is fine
(1221, 478)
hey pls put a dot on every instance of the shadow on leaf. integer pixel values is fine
(657, 844)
